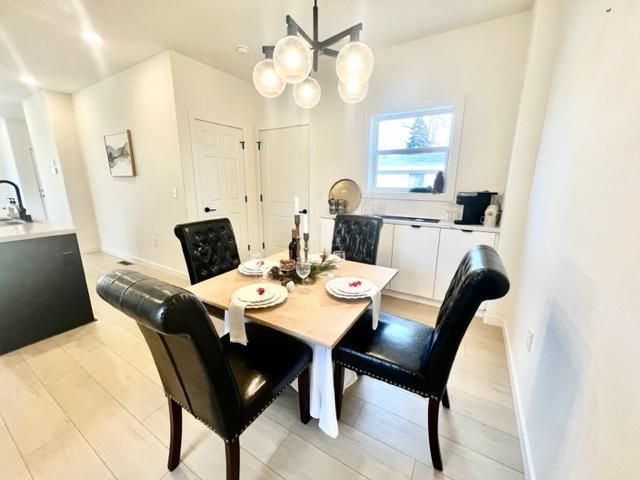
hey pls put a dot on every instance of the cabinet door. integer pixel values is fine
(385, 247)
(415, 250)
(326, 234)
(454, 244)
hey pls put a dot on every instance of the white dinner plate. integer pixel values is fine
(280, 296)
(345, 285)
(250, 293)
(339, 294)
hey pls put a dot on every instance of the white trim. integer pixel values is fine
(458, 105)
(413, 298)
(93, 249)
(142, 261)
(525, 446)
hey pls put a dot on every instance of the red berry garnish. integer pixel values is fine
(261, 291)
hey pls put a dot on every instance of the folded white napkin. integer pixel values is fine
(234, 322)
(376, 297)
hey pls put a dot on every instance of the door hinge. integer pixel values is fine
(245, 199)
(249, 247)
(260, 197)
(259, 143)
(263, 247)
(242, 144)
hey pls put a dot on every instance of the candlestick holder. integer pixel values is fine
(306, 246)
(296, 220)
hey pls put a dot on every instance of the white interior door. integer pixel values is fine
(284, 173)
(220, 178)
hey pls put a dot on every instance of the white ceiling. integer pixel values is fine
(40, 37)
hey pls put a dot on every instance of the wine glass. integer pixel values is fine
(303, 269)
(340, 258)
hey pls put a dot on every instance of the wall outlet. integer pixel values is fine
(174, 192)
(529, 340)
(155, 241)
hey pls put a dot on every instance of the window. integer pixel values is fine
(410, 150)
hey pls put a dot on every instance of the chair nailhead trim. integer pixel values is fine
(368, 374)
(246, 425)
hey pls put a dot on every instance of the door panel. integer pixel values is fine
(284, 173)
(415, 251)
(454, 244)
(220, 180)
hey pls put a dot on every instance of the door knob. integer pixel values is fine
(207, 209)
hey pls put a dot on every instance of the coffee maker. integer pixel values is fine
(473, 206)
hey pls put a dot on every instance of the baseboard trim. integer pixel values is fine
(94, 249)
(525, 447)
(142, 261)
(495, 320)
(412, 298)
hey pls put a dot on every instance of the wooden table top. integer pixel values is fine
(315, 316)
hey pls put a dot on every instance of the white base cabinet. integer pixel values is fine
(426, 256)
(415, 254)
(454, 244)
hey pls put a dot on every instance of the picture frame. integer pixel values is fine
(120, 154)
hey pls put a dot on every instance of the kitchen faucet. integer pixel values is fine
(22, 211)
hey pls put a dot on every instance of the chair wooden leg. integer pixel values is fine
(434, 441)
(232, 451)
(303, 395)
(338, 387)
(445, 399)
(175, 442)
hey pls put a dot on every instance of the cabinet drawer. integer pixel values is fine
(415, 251)
(454, 244)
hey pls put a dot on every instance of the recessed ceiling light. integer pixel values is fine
(29, 80)
(242, 49)
(92, 38)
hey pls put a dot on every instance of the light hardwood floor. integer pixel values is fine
(88, 404)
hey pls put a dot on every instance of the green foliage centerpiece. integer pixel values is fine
(286, 272)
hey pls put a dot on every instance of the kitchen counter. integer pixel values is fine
(441, 224)
(27, 231)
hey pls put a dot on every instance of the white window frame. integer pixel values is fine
(454, 105)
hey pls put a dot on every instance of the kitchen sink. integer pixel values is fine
(411, 219)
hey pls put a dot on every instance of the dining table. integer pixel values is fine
(309, 313)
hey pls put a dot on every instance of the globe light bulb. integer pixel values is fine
(307, 93)
(353, 90)
(293, 59)
(355, 60)
(266, 80)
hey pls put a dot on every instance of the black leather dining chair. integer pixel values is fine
(209, 248)
(358, 237)
(224, 385)
(417, 357)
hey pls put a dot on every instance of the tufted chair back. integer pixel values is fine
(358, 236)
(479, 277)
(209, 248)
(185, 347)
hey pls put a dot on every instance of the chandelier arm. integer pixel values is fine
(267, 50)
(293, 28)
(329, 52)
(349, 32)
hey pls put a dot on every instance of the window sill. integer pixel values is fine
(423, 197)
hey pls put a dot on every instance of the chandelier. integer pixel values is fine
(291, 60)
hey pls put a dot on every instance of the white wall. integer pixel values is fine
(485, 63)
(14, 152)
(131, 211)
(545, 35)
(580, 384)
(46, 151)
(49, 116)
(204, 93)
